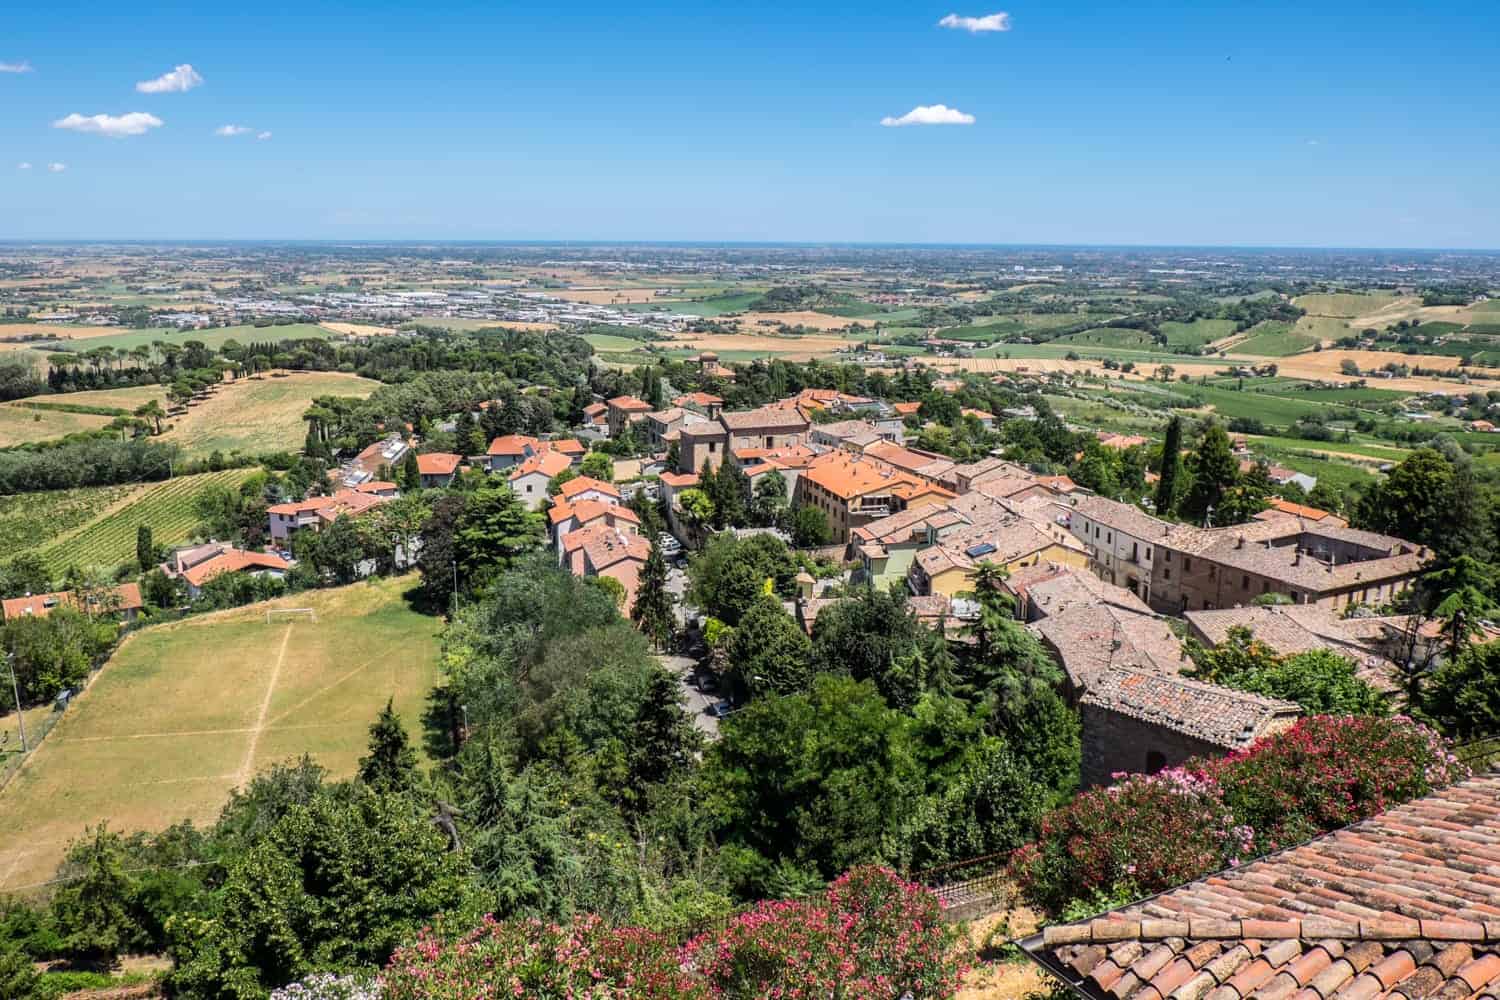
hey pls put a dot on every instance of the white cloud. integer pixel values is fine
(57, 168)
(929, 114)
(23, 166)
(21, 67)
(977, 25)
(182, 78)
(228, 130)
(263, 136)
(114, 126)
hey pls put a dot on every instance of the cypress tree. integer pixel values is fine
(652, 612)
(1171, 457)
(391, 764)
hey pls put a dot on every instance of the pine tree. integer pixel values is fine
(652, 612)
(663, 738)
(1171, 457)
(391, 764)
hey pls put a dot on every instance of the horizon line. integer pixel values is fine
(769, 244)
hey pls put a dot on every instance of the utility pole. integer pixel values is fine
(455, 589)
(10, 661)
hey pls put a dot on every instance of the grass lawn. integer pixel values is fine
(185, 712)
(259, 415)
(108, 538)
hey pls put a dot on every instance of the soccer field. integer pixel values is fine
(187, 711)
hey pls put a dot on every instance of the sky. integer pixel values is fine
(1325, 123)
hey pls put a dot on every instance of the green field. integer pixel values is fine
(1274, 340)
(713, 305)
(210, 338)
(1116, 337)
(609, 342)
(185, 712)
(1197, 334)
(108, 538)
(1344, 305)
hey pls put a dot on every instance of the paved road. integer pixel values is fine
(696, 701)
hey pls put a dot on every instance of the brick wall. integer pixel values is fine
(1114, 742)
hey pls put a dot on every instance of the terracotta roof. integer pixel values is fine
(1219, 715)
(128, 598)
(233, 560)
(1122, 517)
(1404, 905)
(604, 545)
(351, 502)
(1300, 628)
(1300, 510)
(514, 444)
(767, 418)
(1091, 639)
(680, 480)
(589, 509)
(630, 404)
(667, 416)
(707, 429)
(585, 484)
(969, 411)
(1069, 587)
(548, 463)
(438, 463)
(701, 398)
(933, 467)
(906, 409)
(568, 446)
(847, 476)
(378, 486)
(595, 409)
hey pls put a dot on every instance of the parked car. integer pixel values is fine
(719, 709)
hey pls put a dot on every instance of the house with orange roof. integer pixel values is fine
(596, 416)
(986, 418)
(195, 565)
(124, 600)
(529, 480)
(602, 549)
(511, 450)
(588, 488)
(852, 490)
(1285, 508)
(567, 517)
(703, 403)
(286, 519)
(904, 410)
(662, 427)
(438, 468)
(768, 427)
(624, 411)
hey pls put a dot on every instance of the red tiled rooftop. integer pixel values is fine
(438, 463)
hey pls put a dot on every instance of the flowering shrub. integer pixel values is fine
(1150, 832)
(1329, 771)
(541, 961)
(327, 986)
(1160, 831)
(871, 936)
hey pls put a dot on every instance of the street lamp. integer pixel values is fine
(10, 661)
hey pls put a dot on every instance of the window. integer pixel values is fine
(1167, 556)
(1166, 574)
(1187, 564)
(1244, 582)
(713, 446)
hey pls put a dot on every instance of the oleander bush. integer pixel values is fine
(1155, 832)
(870, 936)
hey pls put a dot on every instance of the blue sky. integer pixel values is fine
(1323, 124)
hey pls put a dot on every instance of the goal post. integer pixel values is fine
(292, 613)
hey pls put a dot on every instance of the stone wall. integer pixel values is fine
(1115, 742)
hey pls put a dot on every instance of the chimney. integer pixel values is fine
(1297, 559)
(1239, 542)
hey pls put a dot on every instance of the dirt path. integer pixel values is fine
(265, 709)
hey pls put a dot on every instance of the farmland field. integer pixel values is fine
(1194, 335)
(1108, 336)
(28, 520)
(22, 425)
(1345, 305)
(258, 415)
(187, 711)
(1274, 340)
(108, 538)
(610, 342)
(210, 338)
